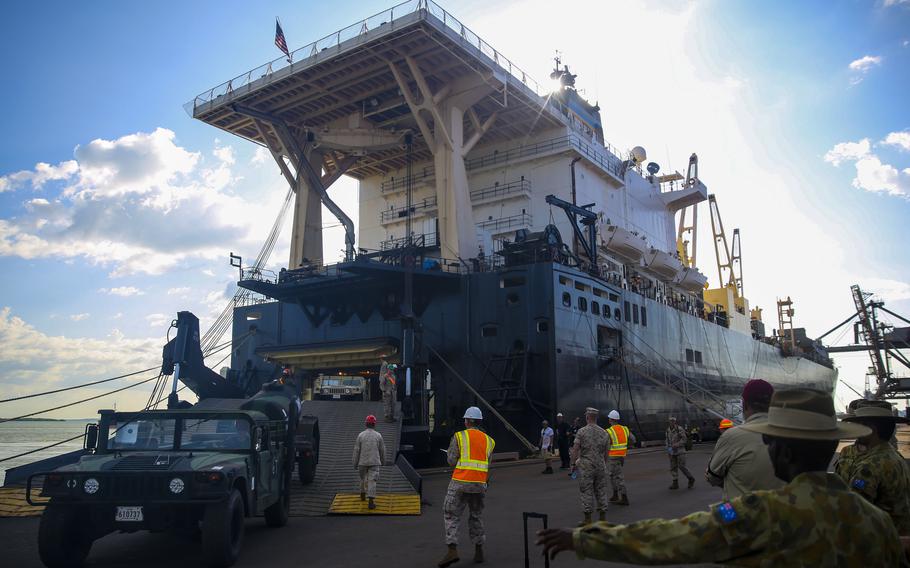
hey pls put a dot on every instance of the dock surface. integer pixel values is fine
(405, 541)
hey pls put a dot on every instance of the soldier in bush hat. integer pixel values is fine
(874, 469)
(800, 524)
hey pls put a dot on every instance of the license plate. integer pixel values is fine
(133, 514)
(336, 396)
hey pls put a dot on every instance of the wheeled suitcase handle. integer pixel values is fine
(525, 517)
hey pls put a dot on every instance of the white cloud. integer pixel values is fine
(889, 3)
(865, 63)
(887, 289)
(260, 156)
(848, 151)
(79, 317)
(871, 173)
(32, 361)
(158, 320)
(900, 139)
(124, 291)
(139, 203)
(42, 174)
(178, 291)
(117, 316)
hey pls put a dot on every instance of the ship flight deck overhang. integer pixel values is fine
(353, 73)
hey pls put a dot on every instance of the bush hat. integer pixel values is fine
(861, 408)
(805, 414)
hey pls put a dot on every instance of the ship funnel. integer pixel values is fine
(639, 155)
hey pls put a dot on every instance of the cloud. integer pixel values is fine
(865, 63)
(889, 3)
(260, 156)
(32, 361)
(178, 291)
(899, 139)
(41, 174)
(139, 203)
(79, 317)
(124, 291)
(158, 320)
(871, 173)
(887, 289)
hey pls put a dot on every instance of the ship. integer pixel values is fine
(506, 256)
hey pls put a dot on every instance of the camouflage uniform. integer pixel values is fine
(615, 465)
(881, 475)
(815, 520)
(590, 451)
(387, 386)
(676, 447)
(846, 460)
(458, 495)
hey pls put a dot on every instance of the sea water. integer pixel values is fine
(22, 436)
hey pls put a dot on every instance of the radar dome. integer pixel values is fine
(639, 155)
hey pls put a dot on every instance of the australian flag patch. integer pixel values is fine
(726, 513)
(859, 484)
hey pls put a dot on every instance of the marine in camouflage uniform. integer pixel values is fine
(387, 386)
(676, 447)
(589, 454)
(814, 520)
(799, 525)
(872, 466)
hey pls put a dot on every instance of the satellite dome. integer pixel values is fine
(639, 155)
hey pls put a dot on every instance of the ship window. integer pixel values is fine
(582, 303)
(565, 281)
(489, 331)
(512, 299)
(512, 282)
(614, 298)
(644, 317)
(606, 311)
(634, 313)
(566, 299)
(628, 310)
(690, 356)
(543, 327)
(599, 293)
(617, 315)
(698, 357)
(582, 286)
(595, 308)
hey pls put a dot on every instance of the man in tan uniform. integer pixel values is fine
(369, 455)
(740, 461)
(676, 447)
(589, 455)
(814, 520)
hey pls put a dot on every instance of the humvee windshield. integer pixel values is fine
(143, 434)
(341, 381)
(215, 434)
(220, 432)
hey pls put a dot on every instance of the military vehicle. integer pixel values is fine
(198, 469)
(329, 387)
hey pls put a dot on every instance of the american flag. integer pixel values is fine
(280, 43)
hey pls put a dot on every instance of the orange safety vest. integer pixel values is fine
(619, 440)
(474, 451)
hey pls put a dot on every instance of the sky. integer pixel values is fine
(117, 209)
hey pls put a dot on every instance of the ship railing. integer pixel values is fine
(521, 220)
(497, 191)
(401, 213)
(258, 274)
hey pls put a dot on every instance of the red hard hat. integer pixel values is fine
(286, 371)
(371, 419)
(726, 423)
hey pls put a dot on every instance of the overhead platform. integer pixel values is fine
(352, 73)
(331, 354)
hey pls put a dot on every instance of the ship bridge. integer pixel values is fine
(410, 84)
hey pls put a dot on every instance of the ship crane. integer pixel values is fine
(729, 260)
(884, 343)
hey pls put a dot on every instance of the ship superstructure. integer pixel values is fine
(506, 254)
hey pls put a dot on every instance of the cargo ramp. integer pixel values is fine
(398, 489)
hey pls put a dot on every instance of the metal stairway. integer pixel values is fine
(339, 424)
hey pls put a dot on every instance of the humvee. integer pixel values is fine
(200, 469)
(330, 387)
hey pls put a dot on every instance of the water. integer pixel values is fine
(18, 437)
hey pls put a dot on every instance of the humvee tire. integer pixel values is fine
(222, 531)
(62, 539)
(306, 469)
(276, 514)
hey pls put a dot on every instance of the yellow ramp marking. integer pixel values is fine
(386, 504)
(13, 504)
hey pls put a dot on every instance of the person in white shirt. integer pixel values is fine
(369, 455)
(546, 445)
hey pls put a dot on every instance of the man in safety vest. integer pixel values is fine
(469, 451)
(620, 438)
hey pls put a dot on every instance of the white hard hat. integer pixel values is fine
(613, 415)
(473, 413)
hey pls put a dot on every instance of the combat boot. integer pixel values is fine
(615, 497)
(478, 554)
(624, 501)
(587, 520)
(602, 516)
(450, 558)
(691, 483)
(371, 504)
(675, 484)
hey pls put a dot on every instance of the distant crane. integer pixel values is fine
(729, 259)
